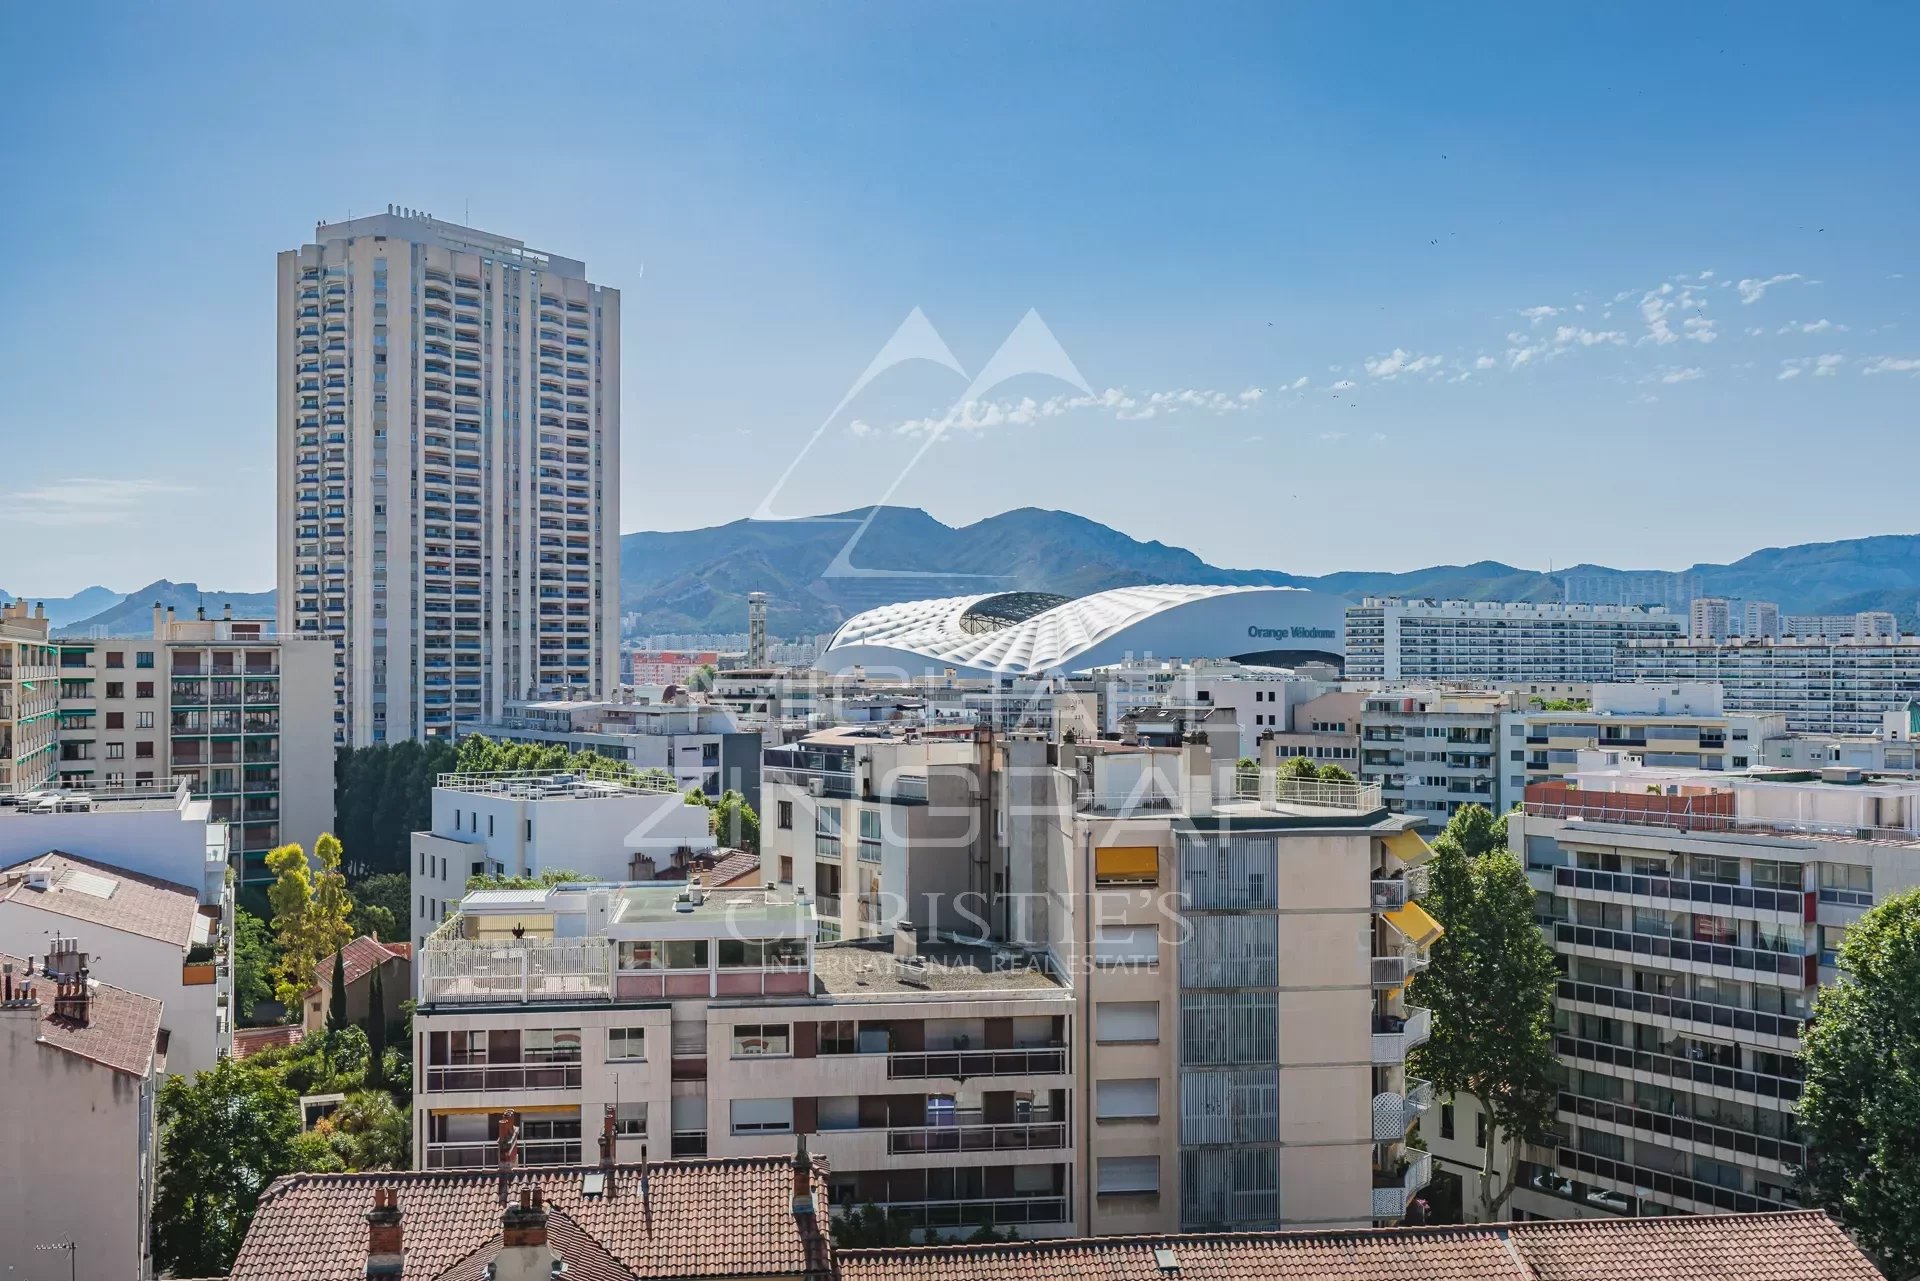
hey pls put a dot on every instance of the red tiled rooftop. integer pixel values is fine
(143, 905)
(248, 1041)
(122, 1030)
(362, 955)
(684, 1219)
(1792, 1246)
(732, 866)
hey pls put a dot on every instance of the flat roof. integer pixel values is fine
(863, 967)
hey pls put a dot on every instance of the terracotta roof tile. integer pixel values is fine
(1794, 1246)
(122, 1030)
(737, 865)
(249, 1041)
(142, 905)
(688, 1218)
(362, 954)
(586, 1258)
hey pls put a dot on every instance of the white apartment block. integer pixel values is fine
(702, 745)
(29, 698)
(449, 465)
(526, 824)
(1710, 618)
(1760, 618)
(169, 836)
(1494, 643)
(1683, 726)
(1866, 625)
(1696, 915)
(1431, 751)
(934, 1075)
(1842, 686)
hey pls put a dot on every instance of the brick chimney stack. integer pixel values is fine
(524, 1254)
(385, 1254)
(802, 1181)
(609, 1131)
(509, 1144)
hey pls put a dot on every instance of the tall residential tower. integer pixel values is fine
(449, 465)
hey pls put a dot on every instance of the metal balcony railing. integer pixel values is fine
(503, 1076)
(1394, 1114)
(956, 1064)
(1392, 1192)
(1007, 1137)
(485, 1154)
(1391, 1043)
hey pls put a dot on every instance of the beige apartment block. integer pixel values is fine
(239, 713)
(448, 428)
(934, 1075)
(1239, 965)
(28, 698)
(1325, 730)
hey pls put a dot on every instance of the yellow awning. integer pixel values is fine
(1409, 848)
(1126, 863)
(1413, 921)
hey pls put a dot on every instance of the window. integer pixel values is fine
(869, 836)
(1446, 1120)
(762, 1116)
(783, 814)
(1126, 865)
(644, 954)
(686, 954)
(116, 720)
(1127, 1176)
(630, 1120)
(143, 751)
(842, 1036)
(143, 659)
(826, 821)
(761, 1040)
(143, 720)
(116, 658)
(626, 1044)
(1137, 1021)
(550, 1045)
(756, 954)
(1479, 1129)
(116, 751)
(143, 689)
(1127, 1100)
(116, 689)
(1127, 945)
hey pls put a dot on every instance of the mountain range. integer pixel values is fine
(697, 580)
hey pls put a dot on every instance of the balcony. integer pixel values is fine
(1399, 963)
(919, 1065)
(457, 971)
(1394, 1114)
(1394, 1036)
(485, 1154)
(1392, 892)
(1394, 1190)
(1276, 793)
(979, 1213)
(1795, 903)
(967, 1134)
(504, 1076)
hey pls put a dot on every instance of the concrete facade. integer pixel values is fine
(1493, 642)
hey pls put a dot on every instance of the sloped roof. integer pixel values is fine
(687, 1219)
(362, 955)
(101, 894)
(122, 1031)
(1802, 1245)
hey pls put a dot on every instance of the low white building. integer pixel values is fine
(703, 745)
(148, 936)
(1665, 725)
(171, 836)
(526, 824)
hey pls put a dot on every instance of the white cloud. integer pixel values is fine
(1252, 395)
(1790, 369)
(983, 415)
(1893, 365)
(1400, 361)
(1819, 326)
(1755, 331)
(1298, 383)
(1822, 366)
(84, 500)
(1682, 375)
(1342, 385)
(1699, 329)
(1654, 310)
(1752, 290)
(1828, 365)
(1333, 435)
(859, 427)
(1535, 315)
(1567, 335)
(1706, 275)
(1485, 362)
(1518, 356)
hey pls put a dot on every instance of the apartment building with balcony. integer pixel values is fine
(29, 698)
(448, 431)
(1665, 726)
(1495, 642)
(237, 712)
(934, 1075)
(1324, 730)
(704, 746)
(1695, 916)
(1865, 625)
(879, 824)
(1432, 750)
(1822, 686)
(1240, 959)
(526, 823)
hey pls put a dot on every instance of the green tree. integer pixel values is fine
(702, 678)
(380, 906)
(545, 881)
(382, 795)
(310, 913)
(254, 957)
(337, 993)
(1860, 1107)
(734, 822)
(1490, 985)
(376, 1028)
(1300, 767)
(1331, 773)
(869, 1226)
(224, 1135)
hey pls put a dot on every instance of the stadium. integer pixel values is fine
(1038, 633)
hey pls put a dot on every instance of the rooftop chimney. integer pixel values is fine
(802, 1179)
(509, 1144)
(384, 1252)
(200, 612)
(608, 1131)
(159, 621)
(524, 1253)
(226, 611)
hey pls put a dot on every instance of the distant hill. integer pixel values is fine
(697, 580)
(132, 614)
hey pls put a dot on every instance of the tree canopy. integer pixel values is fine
(1860, 1106)
(1490, 985)
(254, 957)
(382, 795)
(311, 907)
(1306, 769)
(224, 1135)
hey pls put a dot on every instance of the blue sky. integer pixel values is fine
(1220, 213)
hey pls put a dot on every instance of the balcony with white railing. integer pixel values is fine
(1391, 892)
(1394, 964)
(1305, 795)
(1396, 1036)
(456, 971)
(485, 1154)
(1394, 1114)
(1394, 1189)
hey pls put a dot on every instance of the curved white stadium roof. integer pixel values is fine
(1023, 633)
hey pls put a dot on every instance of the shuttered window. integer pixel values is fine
(1126, 1021)
(1118, 1100)
(762, 1116)
(1123, 944)
(1127, 1175)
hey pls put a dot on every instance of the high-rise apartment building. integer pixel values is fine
(449, 464)
(28, 699)
(1494, 642)
(1710, 618)
(1761, 618)
(1862, 626)
(1661, 726)
(1822, 686)
(1431, 751)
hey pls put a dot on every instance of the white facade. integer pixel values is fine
(702, 745)
(1710, 618)
(525, 825)
(449, 464)
(1666, 726)
(1760, 618)
(170, 838)
(1862, 626)
(1821, 686)
(1431, 751)
(1492, 642)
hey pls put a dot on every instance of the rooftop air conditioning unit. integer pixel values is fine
(816, 787)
